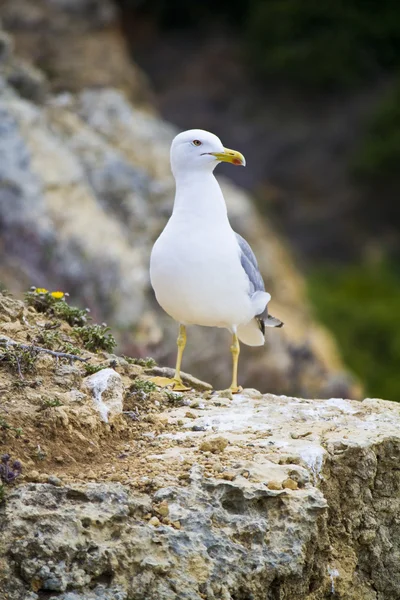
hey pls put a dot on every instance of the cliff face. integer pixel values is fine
(85, 188)
(132, 493)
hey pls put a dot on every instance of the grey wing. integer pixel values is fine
(250, 266)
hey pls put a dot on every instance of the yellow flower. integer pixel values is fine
(41, 291)
(57, 295)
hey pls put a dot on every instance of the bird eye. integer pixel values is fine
(196, 142)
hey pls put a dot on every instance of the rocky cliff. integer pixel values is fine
(132, 493)
(85, 188)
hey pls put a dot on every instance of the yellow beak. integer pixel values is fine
(230, 156)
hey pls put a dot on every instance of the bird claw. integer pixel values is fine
(165, 382)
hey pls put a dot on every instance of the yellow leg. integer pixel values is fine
(176, 383)
(235, 350)
(181, 343)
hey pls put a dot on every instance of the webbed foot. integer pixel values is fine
(176, 385)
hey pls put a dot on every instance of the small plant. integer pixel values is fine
(2, 492)
(71, 349)
(96, 337)
(5, 426)
(76, 317)
(49, 339)
(55, 304)
(92, 369)
(9, 473)
(147, 362)
(141, 385)
(40, 454)
(54, 340)
(50, 403)
(19, 360)
(175, 397)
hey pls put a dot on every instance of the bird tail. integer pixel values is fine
(270, 321)
(253, 332)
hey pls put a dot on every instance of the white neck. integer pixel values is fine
(199, 195)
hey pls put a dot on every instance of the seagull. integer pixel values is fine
(201, 270)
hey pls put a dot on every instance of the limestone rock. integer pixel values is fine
(107, 392)
(77, 43)
(203, 536)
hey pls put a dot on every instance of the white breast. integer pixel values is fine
(196, 273)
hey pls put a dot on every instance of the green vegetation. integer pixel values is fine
(323, 44)
(92, 369)
(95, 337)
(175, 398)
(18, 360)
(377, 159)
(50, 403)
(360, 304)
(55, 304)
(147, 362)
(5, 426)
(140, 385)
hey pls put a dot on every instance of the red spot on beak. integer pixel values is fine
(237, 161)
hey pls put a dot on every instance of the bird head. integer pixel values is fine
(199, 150)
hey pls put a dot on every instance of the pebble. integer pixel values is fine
(33, 475)
(59, 459)
(54, 481)
(274, 485)
(154, 521)
(215, 445)
(225, 394)
(91, 475)
(229, 475)
(290, 484)
(176, 524)
(163, 509)
(190, 415)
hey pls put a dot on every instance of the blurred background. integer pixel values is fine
(91, 94)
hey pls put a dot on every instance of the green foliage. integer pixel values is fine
(71, 314)
(50, 403)
(360, 304)
(5, 426)
(378, 155)
(96, 337)
(54, 340)
(49, 339)
(69, 348)
(324, 43)
(2, 493)
(175, 398)
(18, 360)
(140, 385)
(55, 304)
(92, 369)
(147, 362)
